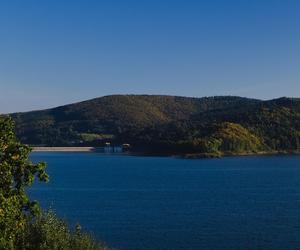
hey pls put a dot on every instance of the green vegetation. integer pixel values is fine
(169, 124)
(22, 224)
(50, 233)
(235, 138)
(90, 137)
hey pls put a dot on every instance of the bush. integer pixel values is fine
(17, 173)
(48, 232)
(22, 225)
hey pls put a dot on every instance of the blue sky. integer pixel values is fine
(54, 52)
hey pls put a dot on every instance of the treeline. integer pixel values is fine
(169, 124)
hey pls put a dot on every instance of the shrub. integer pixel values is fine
(22, 226)
(48, 232)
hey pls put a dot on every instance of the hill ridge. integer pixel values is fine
(168, 123)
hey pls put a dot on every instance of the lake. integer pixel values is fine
(139, 203)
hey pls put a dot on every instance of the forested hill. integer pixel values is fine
(210, 125)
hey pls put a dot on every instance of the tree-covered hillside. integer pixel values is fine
(211, 125)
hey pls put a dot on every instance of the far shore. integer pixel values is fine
(186, 155)
(64, 149)
(231, 154)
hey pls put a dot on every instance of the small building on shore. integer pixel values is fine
(112, 149)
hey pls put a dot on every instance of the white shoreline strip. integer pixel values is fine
(63, 149)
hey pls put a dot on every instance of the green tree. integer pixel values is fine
(17, 173)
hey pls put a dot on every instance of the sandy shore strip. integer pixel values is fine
(63, 149)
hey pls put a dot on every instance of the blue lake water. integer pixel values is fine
(167, 203)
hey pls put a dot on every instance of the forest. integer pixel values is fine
(168, 124)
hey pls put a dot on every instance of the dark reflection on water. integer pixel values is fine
(167, 203)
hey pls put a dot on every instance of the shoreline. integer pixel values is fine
(65, 149)
(185, 156)
(230, 154)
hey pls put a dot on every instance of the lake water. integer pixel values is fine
(168, 203)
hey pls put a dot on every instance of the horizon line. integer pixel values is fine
(157, 95)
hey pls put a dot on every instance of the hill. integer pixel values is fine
(209, 125)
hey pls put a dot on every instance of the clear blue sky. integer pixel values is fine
(54, 52)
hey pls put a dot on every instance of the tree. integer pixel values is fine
(17, 173)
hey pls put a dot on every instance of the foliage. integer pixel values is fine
(90, 137)
(169, 124)
(123, 116)
(50, 233)
(22, 225)
(235, 138)
(16, 174)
